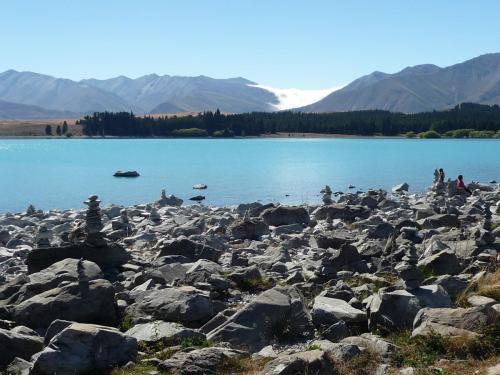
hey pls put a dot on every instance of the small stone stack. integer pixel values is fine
(408, 270)
(168, 200)
(30, 210)
(42, 238)
(327, 195)
(484, 235)
(93, 224)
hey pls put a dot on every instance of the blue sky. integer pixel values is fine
(283, 43)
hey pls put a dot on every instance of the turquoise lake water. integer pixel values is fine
(61, 173)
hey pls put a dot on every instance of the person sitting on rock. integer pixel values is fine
(461, 185)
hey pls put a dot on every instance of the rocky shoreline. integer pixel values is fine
(332, 288)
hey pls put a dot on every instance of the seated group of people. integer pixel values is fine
(459, 182)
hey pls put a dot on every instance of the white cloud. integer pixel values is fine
(295, 98)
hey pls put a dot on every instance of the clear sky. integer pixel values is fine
(282, 43)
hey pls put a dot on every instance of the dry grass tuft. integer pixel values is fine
(364, 364)
(242, 365)
(487, 286)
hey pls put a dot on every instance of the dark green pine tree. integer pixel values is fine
(65, 127)
(48, 130)
(58, 130)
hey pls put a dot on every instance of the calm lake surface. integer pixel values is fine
(61, 173)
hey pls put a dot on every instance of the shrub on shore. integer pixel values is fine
(430, 134)
(410, 135)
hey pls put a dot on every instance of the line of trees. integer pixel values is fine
(59, 130)
(372, 122)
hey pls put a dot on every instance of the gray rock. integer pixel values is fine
(252, 229)
(167, 332)
(456, 322)
(374, 343)
(189, 249)
(400, 188)
(204, 361)
(440, 220)
(392, 310)
(327, 311)
(308, 362)
(443, 263)
(55, 327)
(183, 304)
(454, 285)
(49, 278)
(91, 302)
(84, 349)
(268, 316)
(285, 215)
(336, 332)
(342, 211)
(14, 345)
(338, 351)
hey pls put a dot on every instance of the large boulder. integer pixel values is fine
(86, 302)
(390, 309)
(14, 345)
(455, 322)
(183, 304)
(110, 256)
(189, 249)
(440, 220)
(283, 215)
(308, 362)
(85, 349)
(159, 331)
(342, 211)
(252, 229)
(443, 263)
(272, 314)
(332, 239)
(49, 278)
(205, 361)
(454, 285)
(327, 311)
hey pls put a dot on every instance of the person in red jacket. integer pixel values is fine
(461, 185)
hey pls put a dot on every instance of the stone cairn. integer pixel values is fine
(484, 234)
(93, 224)
(42, 238)
(30, 210)
(408, 270)
(327, 195)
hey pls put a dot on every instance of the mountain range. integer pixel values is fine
(414, 89)
(419, 88)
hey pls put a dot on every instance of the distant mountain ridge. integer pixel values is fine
(414, 89)
(419, 88)
(148, 94)
(13, 111)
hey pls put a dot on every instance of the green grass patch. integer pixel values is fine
(126, 323)
(424, 351)
(199, 342)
